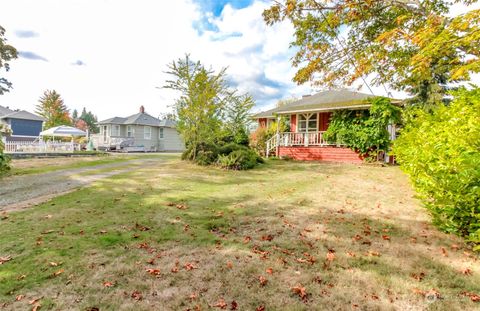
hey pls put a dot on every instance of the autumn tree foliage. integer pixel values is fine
(7, 53)
(410, 45)
(52, 108)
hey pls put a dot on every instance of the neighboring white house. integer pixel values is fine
(138, 132)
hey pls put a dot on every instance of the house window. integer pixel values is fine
(129, 131)
(160, 133)
(307, 122)
(115, 130)
(147, 132)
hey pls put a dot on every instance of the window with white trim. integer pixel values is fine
(147, 132)
(160, 133)
(115, 130)
(307, 121)
(130, 132)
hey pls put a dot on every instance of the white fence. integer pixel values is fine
(39, 147)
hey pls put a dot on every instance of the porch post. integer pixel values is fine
(277, 149)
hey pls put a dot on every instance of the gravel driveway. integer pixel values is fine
(19, 192)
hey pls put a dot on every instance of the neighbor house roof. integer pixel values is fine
(323, 101)
(6, 113)
(140, 118)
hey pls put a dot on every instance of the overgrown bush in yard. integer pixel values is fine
(364, 131)
(229, 156)
(440, 151)
(4, 159)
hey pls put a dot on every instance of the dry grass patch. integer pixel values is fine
(290, 236)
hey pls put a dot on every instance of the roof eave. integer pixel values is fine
(325, 109)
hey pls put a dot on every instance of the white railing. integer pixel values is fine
(101, 141)
(39, 147)
(298, 139)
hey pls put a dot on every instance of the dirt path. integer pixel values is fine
(19, 192)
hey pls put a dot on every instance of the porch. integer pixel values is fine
(310, 146)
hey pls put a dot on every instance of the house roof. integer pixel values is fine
(323, 101)
(140, 118)
(265, 114)
(6, 113)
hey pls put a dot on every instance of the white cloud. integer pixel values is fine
(110, 55)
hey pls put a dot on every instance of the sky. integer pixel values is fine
(111, 56)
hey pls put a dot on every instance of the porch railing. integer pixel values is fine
(39, 147)
(305, 139)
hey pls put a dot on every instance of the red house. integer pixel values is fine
(309, 119)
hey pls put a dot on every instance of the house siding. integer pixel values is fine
(172, 140)
(24, 127)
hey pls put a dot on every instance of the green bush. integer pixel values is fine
(441, 153)
(229, 156)
(240, 159)
(364, 131)
(206, 154)
(4, 159)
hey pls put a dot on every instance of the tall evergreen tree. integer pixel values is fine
(52, 108)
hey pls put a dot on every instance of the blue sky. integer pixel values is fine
(115, 62)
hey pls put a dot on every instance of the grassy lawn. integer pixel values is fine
(289, 236)
(46, 165)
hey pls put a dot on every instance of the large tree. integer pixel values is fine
(52, 108)
(90, 119)
(7, 53)
(200, 105)
(207, 106)
(409, 45)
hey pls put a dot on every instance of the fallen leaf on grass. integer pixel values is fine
(5, 259)
(220, 304)
(153, 271)
(444, 252)
(54, 264)
(229, 265)
(189, 266)
(181, 206)
(331, 255)
(234, 305)
(351, 254)
(103, 231)
(373, 253)
(263, 281)
(418, 276)
(137, 295)
(268, 237)
(247, 239)
(467, 271)
(473, 297)
(58, 272)
(300, 291)
(269, 270)
(19, 297)
(193, 296)
(108, 284)
(260, 308)
(175, 268)
(36, 307)
(386, 237)
(34, 301)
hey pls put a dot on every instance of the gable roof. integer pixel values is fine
(6, 113)
(140, 118)
(323, 101)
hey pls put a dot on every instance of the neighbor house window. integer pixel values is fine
(160, 133)
(307, 121)
(129, 131)
(147, 132)
(115, 130)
